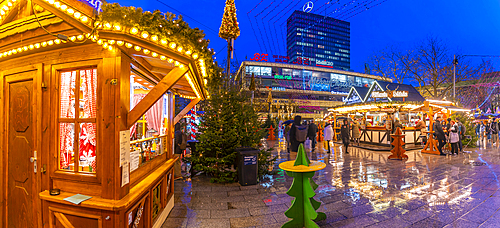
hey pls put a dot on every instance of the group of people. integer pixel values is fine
(299, 132)
(451, 131)
(488, 130)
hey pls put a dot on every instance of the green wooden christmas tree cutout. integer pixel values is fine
(303, 210)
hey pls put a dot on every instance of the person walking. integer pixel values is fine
(422, 127)
(494, 132)
(482, 130)
(311, 134)
(396, 125)
(355, 131)
(488, 130)
(344, 134)
(298, 133)
(328, 135)
(441, 137)
(461, 134)
(178, 144)
(287, 137)
(454, 137)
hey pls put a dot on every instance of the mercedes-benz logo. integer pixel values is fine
(308, 7)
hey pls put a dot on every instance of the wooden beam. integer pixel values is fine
(71, 20)
(150, 99)
(186, 110)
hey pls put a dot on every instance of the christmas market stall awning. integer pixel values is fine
(160, 45)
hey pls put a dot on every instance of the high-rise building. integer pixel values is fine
(318, 40)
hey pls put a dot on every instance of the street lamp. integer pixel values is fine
(455, 63)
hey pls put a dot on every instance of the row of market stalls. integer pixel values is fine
(87, 111)
(381, 102)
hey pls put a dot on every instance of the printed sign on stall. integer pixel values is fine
(250, 160)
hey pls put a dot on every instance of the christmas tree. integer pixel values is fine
(229, 122)
(229, 28)
(303, 210)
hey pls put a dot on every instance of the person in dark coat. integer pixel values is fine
(311, 134)
(438, 130)
(177, 150)
(293, 130)
(344, 134)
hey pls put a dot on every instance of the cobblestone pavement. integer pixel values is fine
(359, 189)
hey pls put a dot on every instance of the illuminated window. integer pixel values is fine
(77, 120)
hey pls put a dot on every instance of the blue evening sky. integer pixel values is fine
(469, 27)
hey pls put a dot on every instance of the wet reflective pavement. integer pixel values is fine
(359, 189)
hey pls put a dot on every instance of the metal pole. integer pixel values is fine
(229, 49)
(454, 76)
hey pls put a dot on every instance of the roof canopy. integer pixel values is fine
(157, 43)
(382, 89)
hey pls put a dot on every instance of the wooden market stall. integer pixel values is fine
(69, 73)
(377, 104)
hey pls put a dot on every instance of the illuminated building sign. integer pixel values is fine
(379, 94)
(324, 63)
(278, 88)
(289, 77)
(94, 3)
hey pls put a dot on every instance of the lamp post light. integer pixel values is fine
(455, 63)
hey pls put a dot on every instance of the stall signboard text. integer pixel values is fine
(398, 93)
(379, 94)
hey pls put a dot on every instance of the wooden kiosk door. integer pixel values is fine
(20, 120)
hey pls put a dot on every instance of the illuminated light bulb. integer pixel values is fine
(163, 57)
(163, 42)
(72, 38)
(172, 45)
(51, 1)
(170, 60)
(84, 19)
(195, 56)
(145, 35)
(2, 12)
(137, 48)
(128, 45)
(188, 52)
(134, 31)
(77, 15)
(111, 41)
(146, 51)
(50, 42)
(9, 4)
(80, 37)
(120, 43)
(13, 51)
(154, 38)
(5, 8)
(44, 44)
(57, 41)
(9, 53)
(110, 48)
(25, 48)
(100, 42)
(107, 26)
(70, 11)
(176, 63)
(105, 45)
(154, 54)
(57, 4)
(181, 66)
(37, 45)
(19, 49)
(97, 23)
(205, 81)
(31, 47)
(1, 55)
(64, 7)
(118, 27)
(179, 49)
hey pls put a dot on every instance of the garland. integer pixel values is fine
(165, 25)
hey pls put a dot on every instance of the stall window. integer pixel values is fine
(77, 120)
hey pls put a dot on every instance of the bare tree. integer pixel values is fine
(388, 63)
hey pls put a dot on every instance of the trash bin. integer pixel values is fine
(192, 145)
(247, 165)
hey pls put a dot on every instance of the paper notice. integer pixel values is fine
(124, 147)
(135, 157)
(125, 174)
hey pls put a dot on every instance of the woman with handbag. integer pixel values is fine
(454, 137)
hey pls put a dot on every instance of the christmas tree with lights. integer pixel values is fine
(229, 28)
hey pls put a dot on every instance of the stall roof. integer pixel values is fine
(413, 94)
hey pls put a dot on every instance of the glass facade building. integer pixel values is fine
(318, 40)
